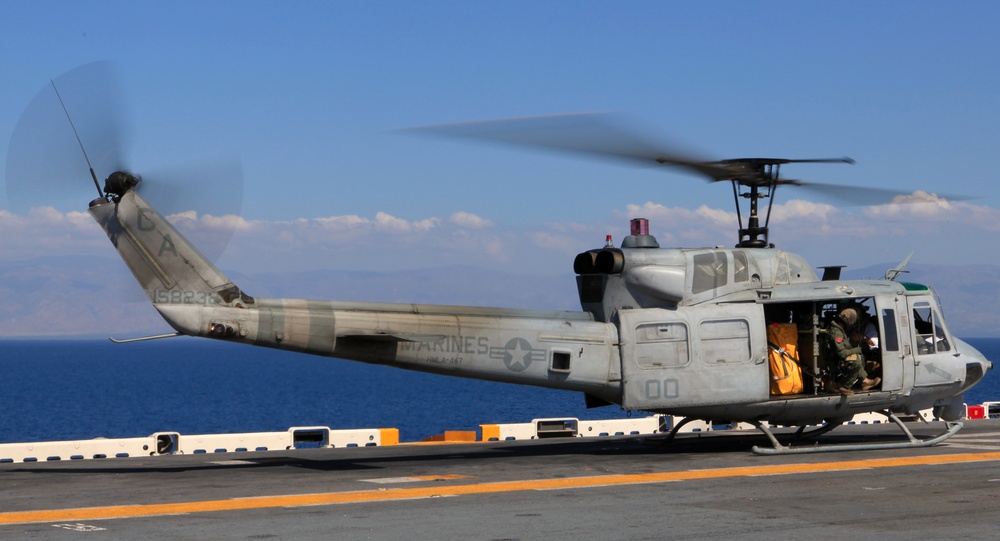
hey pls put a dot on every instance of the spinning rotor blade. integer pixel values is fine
(598, 134)
(865, 196)
(610, 135)
(76, 123)
(188, 186)
(210, 188)
(45, 164)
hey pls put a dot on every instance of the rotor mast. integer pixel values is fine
(755, 235)
(761, 176)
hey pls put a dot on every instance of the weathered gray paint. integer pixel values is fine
(518, 346)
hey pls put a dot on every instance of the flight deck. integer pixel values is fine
(705, 484)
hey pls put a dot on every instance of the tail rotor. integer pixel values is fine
(75, 132)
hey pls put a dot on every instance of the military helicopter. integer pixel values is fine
(678, 331)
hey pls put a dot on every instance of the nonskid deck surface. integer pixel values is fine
(705, 485)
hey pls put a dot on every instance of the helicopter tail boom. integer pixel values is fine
(549, 348)
(169, 269)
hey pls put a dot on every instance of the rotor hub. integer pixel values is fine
(118, 183)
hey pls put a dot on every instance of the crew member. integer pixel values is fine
(845, 355)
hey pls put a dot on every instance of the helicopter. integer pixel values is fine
(735, 334)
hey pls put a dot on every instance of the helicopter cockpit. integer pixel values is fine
(931, 336)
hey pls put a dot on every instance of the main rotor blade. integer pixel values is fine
(783, 161)
(611, 135)
(597, 134)
(867, 196)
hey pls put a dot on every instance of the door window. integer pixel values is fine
(659, 345)
(725, 341)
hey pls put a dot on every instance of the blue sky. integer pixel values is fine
(310, 93)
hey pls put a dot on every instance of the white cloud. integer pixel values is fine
(80, 219)
(716, 216)
(797, 209)
(190, 218)
(227, 222)
(11, 222)
(392, 224)
(676, 226)
(47, 231)
(345, 223)
(818, 231)
(426, 225)
(189, 215)
(676, 217)
(469, 220)
(925, 212)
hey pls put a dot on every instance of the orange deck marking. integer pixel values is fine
(331, 498)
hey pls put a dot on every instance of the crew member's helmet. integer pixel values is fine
(849, 317)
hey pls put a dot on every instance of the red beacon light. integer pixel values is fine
(640, 226)
(639, 237)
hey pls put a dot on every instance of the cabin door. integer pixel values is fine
(673, 358)
(895, 354)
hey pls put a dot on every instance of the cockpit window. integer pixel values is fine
(710, 271)
(931, 336)
(741, 269)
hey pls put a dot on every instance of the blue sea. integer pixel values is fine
(65, 390)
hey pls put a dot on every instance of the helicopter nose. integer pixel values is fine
(976, 364)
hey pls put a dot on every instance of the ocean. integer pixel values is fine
(82, 389)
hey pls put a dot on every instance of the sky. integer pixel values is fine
(314, 99)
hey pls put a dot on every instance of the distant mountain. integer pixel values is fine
(63, 295)
(95, 296)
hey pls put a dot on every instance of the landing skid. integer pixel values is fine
(779, 449)
(799, 434)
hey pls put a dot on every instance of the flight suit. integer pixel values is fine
(845, 357)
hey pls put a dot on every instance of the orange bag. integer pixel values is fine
(786, 374)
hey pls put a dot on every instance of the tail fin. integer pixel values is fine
(168, 267)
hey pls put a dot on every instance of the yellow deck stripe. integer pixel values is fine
(296, 500)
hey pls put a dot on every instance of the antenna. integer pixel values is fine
(71, 125)
(894, 272)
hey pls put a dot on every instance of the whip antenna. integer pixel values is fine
(92, 174)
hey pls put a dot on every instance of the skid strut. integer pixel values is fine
(778, 449)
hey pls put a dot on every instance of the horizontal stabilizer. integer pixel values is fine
(144, 338)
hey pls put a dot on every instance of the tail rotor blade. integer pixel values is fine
(74, 133)
(45, 164)
(211, 186)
